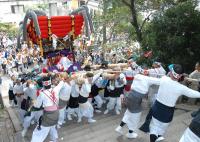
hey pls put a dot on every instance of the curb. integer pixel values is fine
(14, 120)
(16, 124)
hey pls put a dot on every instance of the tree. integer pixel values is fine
(112, 21)
(174, 35)
(8, 28)
(137, 7)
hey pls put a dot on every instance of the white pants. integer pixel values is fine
(40, 135)
(35, 115)
(71, 111)
(131, 119)
(62, 115)
(21, 114)
(19, 101)
(98, 101)
(27, 121)
(114, 103)
(86, 110)
(189, 136)
(157, 127)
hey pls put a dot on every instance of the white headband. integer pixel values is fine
(46, 83)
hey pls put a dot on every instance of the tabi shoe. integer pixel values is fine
(74, 114)
(58, 126)
(161, 138)
(79, 120)
(117, 112)
(106, 111)
(11, 103)
(90, 120)
(15, 105)
(24, 132)
(69, 117)
(119, 130)
(32, 122)
(131, 135)
(97, 111)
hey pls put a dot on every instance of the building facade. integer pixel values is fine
(13, 11)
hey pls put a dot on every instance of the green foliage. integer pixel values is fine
(115, 18)
(41, 6)
(8, 28)
(174, 35)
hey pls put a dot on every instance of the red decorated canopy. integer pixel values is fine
(57, 25)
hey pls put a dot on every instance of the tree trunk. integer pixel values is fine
(104, 24)
(104, 34)
(134, 22)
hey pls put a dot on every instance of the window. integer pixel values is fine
(17, 8)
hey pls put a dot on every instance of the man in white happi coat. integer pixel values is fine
(49, 100)
(73, 105)
(157, 71)
(86, 109)
(64, 96)
(115, 89)
(18, 92)
(169, 92)
(129, 74)
(139, 90)
(33, 114)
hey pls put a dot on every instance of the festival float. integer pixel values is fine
(55, 36)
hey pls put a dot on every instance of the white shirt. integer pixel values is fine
(44, 97)
(101, 82)
(157, 72)
(75, 89)
(65, 92)
(97, 80)
(130, 73)
(121, 81)
(30, 92)
(141, 83)
(195, 75)
(18, 89)
(11, 85)
(85, 89)
(170, 90)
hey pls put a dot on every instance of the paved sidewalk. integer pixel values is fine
(6, 128)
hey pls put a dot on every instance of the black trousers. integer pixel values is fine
(145, 125)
